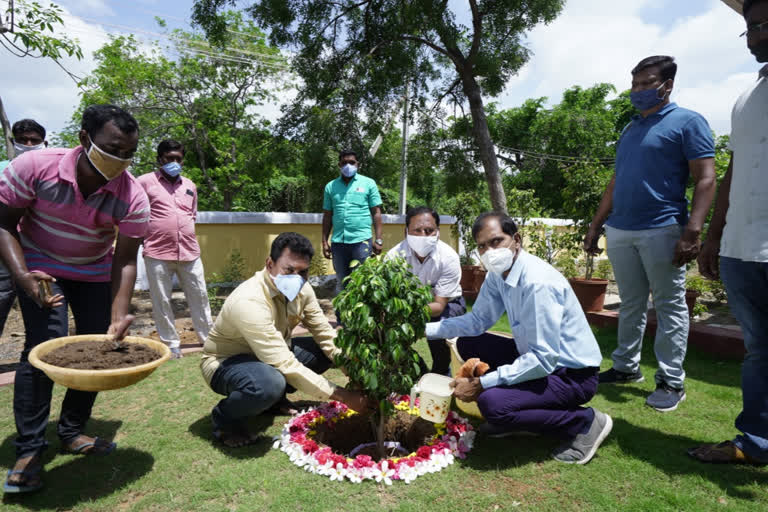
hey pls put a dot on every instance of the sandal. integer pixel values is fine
(97, 446)
(722, 453)
(30, 474)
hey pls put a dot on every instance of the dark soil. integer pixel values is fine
(100, 355)
(410, 431)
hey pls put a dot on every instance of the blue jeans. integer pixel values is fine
(441, 354)
(7, 294)
(91, 309)
(642, 263)
(344, 254)
(251, 387)
(747, 285)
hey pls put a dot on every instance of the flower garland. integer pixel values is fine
(454, 438)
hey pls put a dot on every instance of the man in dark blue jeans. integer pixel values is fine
(738, 237)
(350, 203)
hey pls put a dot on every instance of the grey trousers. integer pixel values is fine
(642, 263)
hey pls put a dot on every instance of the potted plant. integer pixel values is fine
(695, 286)
(585, 184)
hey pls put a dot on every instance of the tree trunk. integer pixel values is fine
(380, 436)
(484, 143)
(6, 132)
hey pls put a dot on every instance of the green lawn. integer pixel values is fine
(166, 461)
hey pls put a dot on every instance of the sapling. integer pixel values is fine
(384, 309)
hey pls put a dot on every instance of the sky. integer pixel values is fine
(592, 41)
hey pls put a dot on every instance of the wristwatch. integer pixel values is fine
(379, 241)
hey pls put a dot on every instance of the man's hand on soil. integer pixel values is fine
(467, 390)
(119, 327)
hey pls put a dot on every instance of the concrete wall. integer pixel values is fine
(219, 233)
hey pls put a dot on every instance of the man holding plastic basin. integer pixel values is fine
(436, 265)
(58, 212)
(539, 381)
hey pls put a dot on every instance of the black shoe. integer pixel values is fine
(614, 376)
(665, 398)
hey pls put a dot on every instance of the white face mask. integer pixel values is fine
(499, 260)
(21, 148)
(289, 285)
(422, 245)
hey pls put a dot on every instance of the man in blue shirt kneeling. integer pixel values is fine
(539, 380)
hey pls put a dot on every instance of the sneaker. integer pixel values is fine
(723, 453)
(583, 447)
(614, 376)
(498, 431)
(665, 398)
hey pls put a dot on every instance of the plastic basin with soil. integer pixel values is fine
(334, 441)
(92, 362)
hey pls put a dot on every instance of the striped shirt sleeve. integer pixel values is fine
(17, 182)
(135, 223)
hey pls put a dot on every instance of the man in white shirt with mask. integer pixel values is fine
(436, 265)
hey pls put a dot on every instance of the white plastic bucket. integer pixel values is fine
(434, 392)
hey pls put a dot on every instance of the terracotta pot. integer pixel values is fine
(690, 300)
(591, 293)
(472, 278)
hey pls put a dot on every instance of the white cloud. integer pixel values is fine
(601, 40)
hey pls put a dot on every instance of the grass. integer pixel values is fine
(166, 461)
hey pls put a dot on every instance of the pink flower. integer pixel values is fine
(363, 461)
(309, 446)
(424, 452)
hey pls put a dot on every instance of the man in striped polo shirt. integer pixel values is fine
(58, 212)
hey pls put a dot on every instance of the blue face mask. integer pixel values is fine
(646, 100)
(289, 285)
(348, 170)
(172, 169)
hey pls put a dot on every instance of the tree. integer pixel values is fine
(384, 309)
(205, 98)
(356, 56)
(30, 35)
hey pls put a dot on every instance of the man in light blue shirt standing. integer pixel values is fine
(539, 381)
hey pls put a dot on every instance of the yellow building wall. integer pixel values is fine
(217, 241)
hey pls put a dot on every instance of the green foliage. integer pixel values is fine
(318, 265)
(355, 58)
(30, 37)
(550, 244)
(566, 264)
(466, 207)
(604, 269)
(208, 103)
(235, 270)
(384, 309)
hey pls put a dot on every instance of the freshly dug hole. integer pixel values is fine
(410, 431)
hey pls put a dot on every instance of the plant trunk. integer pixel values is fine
(6, 132)
(484, 143)
(589, 267)
(380, 435)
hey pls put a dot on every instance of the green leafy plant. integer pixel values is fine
(317, 267)
(604, 270)
(466, 207)
(384, 311)
(566, 264)
(549, 243)
(235, 269)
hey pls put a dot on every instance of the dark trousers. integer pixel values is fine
(251, 387)
(343, 255)
(91, 309)
(549, 405)
(441, 354)
(7, 295)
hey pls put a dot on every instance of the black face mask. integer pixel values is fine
(760, 50)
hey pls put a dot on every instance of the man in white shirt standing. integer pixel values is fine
(436, 265)
(738, 236)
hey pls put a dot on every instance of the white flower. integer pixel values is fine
(384, 474)
(354, 476)
(407, 474)
(338, 473)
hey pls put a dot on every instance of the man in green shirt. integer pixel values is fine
(350, 203)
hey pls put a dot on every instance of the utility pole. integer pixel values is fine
(8, 19)
(404, 158)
